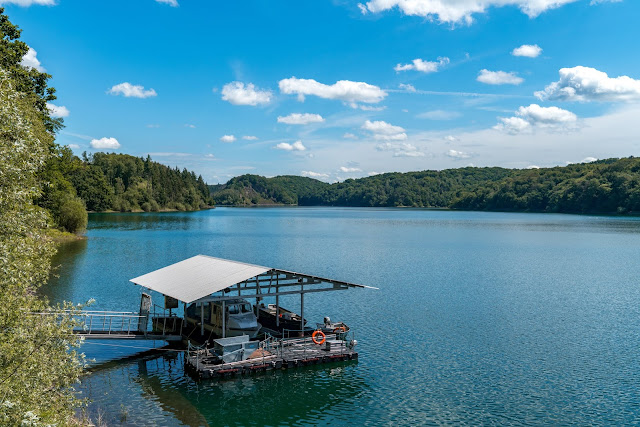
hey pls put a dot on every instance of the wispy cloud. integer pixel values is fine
(499, 77)
(300, 119)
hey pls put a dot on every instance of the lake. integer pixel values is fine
(481, 318)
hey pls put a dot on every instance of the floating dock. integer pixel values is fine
(214, 293)
(278, 354)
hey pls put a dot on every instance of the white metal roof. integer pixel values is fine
(198, 276)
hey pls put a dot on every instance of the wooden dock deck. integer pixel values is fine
(285, 354)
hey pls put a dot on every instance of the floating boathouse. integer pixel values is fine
(215, 293)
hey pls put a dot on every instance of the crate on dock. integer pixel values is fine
(234, 349)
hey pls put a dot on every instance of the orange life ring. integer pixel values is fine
(340, 329)
(318, 332)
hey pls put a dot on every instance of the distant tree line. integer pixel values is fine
(604, 186)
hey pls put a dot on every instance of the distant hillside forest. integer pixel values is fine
(604, 186)
(115, 182)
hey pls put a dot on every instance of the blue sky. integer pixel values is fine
(340, 89)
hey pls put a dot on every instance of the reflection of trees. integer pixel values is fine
(144, 221)
(168, 393)
(64, 265)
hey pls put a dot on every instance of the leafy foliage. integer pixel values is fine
(605, 186)
(58, 195)
(38, 360)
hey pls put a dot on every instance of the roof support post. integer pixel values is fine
(277, 304)
(301, 312)
(224, 319)
(202, 318)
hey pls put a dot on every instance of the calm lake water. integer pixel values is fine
(481, 318)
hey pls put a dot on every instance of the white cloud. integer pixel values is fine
(57, 110)
(30, 59)
(528, 50)
(227, 138)
(27, 3)
(172, 3)
(439, 115)
(407, 87)
(189, 125)
(422, 65)
(311, 174)
(381, 127)
(594, 2)
(296, 146)
(534, 116)
(455, 11)
(373, 173)
(105, 143)
(457, 154)
(250, 138)
(73, 146)
(300, 119)
(450, 138)
(499, 78)
(402, 149)
(349, 135)
(513, 125)
(342, 90)
(588, 160)
(349, 170)
(385, 131)
(588, 84)
(128, 90)
(238, 94)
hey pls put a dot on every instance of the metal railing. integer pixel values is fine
(111, 322)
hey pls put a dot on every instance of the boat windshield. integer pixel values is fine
(239, 308)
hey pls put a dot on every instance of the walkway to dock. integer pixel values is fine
(274, 354)
(121, 325)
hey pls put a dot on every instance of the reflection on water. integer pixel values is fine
(481, 318)
(155, 390)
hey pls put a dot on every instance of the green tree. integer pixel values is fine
(26, 79)
(38, 359)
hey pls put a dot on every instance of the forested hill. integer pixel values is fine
(605, 186)
(258, 190)
(120, 182)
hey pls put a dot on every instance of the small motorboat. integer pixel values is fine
(329, 327)
(285, 319)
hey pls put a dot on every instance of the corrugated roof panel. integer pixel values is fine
(198, 276)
